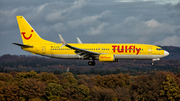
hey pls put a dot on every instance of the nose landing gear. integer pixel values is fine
(152, 63)
(157, 59)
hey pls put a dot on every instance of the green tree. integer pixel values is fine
(2, 84)
(71, 88)
(113, 81)
(48, 77)
(103, 94)
(24, 75)
(85, 92)
(10, 92)
(53, 91)
(123, 93)
(69, 77)
(171, 89)
(31, 88)
(6, 77)
(147, 87)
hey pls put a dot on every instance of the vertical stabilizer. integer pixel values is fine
(28, 34)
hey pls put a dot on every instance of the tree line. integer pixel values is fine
(32, 86)
(20, 63)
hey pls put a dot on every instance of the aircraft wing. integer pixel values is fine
(81, 50)
(82, 53)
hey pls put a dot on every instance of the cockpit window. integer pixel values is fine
(159, 49)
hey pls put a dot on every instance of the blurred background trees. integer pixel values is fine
(32, 86)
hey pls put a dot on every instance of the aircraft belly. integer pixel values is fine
(137, 56)
(69, 56)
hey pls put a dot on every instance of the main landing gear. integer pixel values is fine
(91, 62)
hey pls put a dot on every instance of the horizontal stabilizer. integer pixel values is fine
(24, 46)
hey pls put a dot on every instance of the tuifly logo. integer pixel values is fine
(104, 57)
(125, 49)
(27, 38)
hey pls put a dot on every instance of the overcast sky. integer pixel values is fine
(154, 22)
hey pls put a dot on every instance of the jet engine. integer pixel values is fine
(107, 58)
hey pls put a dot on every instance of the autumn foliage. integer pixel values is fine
(30, 86)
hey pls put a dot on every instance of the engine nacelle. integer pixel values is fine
(107, 58)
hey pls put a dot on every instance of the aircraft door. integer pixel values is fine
(150, 50)
(43, 49)
(100, 49)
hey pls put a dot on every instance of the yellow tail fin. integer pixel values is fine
(28, 34)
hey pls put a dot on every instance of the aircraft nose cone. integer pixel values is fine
(166, 53)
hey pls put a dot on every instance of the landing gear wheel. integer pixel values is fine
(153, 63)
(91, 63)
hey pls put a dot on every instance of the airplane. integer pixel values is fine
(109, 52)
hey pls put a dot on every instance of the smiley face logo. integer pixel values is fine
(27, 38)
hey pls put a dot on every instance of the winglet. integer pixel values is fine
(62, 40)
(79, 41)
